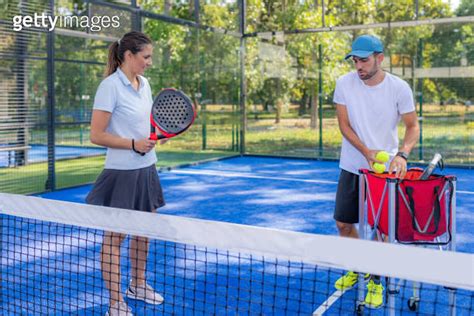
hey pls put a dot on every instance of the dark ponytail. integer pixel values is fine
(114, 60)
(132, 41)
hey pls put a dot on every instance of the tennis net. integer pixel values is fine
(51, 265)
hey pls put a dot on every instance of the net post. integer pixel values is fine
(362, 235)
(362, 217)
(391, 208)
(391, 287)
(452, 244)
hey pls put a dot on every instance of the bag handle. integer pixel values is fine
(437, 210)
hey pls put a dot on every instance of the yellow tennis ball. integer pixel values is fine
(383, 156)
(378, 167)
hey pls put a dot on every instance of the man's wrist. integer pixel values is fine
(402, 154)
(365, 152)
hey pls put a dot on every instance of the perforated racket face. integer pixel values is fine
(172, 111)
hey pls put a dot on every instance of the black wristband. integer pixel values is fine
(402, 154)
(133, 147)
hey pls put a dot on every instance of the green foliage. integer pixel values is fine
(218, 15)
(352, 12)
(466, 8)
(425, 46)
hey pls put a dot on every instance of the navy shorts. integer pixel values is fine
(347, 198)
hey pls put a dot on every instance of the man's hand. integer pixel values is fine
(399, 166)
(370, 156)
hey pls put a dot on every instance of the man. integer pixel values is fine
(369, 102)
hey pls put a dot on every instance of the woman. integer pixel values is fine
(120, 122)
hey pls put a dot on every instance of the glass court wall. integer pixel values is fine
(261, 74)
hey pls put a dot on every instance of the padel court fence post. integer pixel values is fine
(136, 16)
(320, 98)
(50, 184)
(81, 103)
(383, 198)
(20, 157)
(243, 83)
(420, 97)
(235, 128)
(203, 126)
(320, 84)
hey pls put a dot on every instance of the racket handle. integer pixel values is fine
(152, 133)
(431, 167)
(152, 137)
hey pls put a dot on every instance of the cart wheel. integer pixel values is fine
(413, 303)
(360, 309)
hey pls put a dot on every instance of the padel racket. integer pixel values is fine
(172, 113)
(437, 161)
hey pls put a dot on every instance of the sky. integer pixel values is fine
(454, 3)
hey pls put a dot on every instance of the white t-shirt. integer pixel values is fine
(374, 112)
(130, 118)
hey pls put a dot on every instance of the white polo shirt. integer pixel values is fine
(374, 113)
(130, 118)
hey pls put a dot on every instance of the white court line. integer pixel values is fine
(246, 175)
(251, 176)
(327, 303)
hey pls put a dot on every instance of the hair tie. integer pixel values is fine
(118, 41)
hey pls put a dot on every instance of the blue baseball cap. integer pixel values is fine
(365, 45)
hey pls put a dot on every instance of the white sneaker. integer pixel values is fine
(119, 309)
(144, 293)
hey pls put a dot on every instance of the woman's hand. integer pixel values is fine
(144, 145)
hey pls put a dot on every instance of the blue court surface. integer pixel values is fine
(289, 194)
(39, 153)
